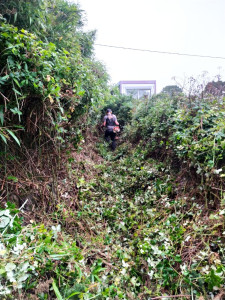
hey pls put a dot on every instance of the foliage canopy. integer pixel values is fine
(56, 21)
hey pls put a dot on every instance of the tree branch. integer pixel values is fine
(176, 296)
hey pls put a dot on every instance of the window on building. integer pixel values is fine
(132, 92)
(139, 93)
(144, 93)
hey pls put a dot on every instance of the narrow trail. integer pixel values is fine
(120, 227)
(132, 220)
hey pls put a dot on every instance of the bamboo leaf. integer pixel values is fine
(17, 92)
(15, 17)
(56, 290)
(13, 136)
(17, 82)
(16, 111)
(73, 294)
(3, 138)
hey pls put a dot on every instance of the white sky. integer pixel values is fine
(185, 26)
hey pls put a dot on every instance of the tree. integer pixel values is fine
(56, 21)
(216, 88)
(172, 90)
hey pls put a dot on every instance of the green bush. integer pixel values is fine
(43, 88)
(121, 106)
(193, 133)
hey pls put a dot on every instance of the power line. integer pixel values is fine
(161, 52)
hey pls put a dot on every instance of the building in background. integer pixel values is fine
(138, 89)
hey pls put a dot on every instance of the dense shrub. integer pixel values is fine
(194, 132)
(56, 21)
(121, 106)
(43, 88)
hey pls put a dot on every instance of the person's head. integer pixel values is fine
(109, 111)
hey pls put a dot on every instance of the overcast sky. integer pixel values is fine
(184, 26)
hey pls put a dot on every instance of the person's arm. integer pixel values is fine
(116, 122)
(104, 122)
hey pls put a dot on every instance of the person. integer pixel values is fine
(110, 121)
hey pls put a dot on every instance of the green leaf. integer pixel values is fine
(73, 294)
(15, 17)
(56, 290)
(2, 271)
(4, 221)
(13, 135)
(10, 59)
(17, 92)
(213, 280)
(3, 79)
(10, 177)
(17, 82)
(79, 271)
(16, 111)
(3, 138)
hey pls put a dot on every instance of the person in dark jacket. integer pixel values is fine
(110, 121)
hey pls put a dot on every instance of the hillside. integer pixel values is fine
(119, 226)
(78, 221)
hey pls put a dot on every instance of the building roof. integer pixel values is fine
(137, 82)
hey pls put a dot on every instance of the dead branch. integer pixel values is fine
(5, 99)
(176, 296)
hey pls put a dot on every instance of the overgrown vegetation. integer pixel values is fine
(43, 88)
(190, 134)
(78, 221)
(136, 234)
(52, 21)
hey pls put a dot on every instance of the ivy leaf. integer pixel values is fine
(10, 267)
(213, 280)
(4, 221)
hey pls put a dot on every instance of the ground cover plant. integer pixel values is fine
(133, 235)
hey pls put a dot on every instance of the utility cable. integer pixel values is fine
(161, 52)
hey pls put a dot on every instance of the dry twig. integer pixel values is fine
(175, 296)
